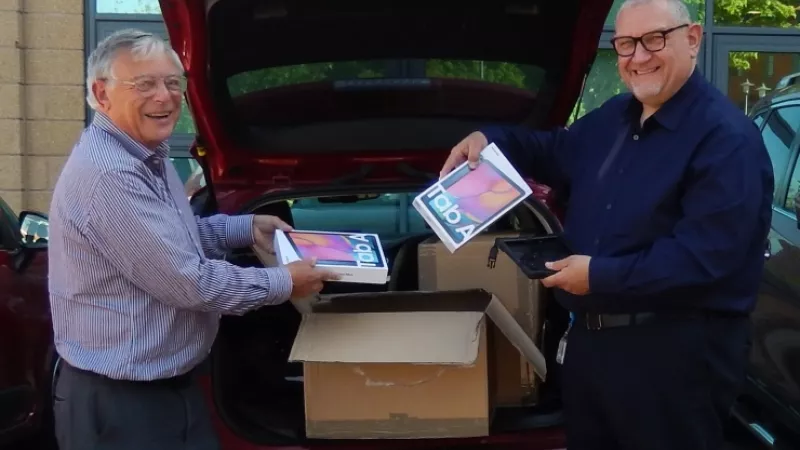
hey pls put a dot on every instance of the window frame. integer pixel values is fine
(792, 166)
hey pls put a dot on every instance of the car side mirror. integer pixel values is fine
(34, 227)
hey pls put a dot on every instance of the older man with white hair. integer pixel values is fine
(668, 192)
(136, 286)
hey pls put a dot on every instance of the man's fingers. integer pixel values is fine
(279, 224)
(554, 280)
(473, 155)
(558, 265)
(456, 157)
(326, 275)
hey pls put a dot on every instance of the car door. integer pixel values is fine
(15, 394)
(25, 330)
(775, 356)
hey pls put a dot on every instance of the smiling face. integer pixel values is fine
(653, 76)
(143, 98)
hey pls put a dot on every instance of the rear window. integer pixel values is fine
(521, 76)
(391, 216)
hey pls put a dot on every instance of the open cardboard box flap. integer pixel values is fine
(406, 327)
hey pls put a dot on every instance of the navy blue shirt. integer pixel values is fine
(677, 219)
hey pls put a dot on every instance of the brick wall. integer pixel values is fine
(41, 95)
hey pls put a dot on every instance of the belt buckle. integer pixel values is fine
(594, 322)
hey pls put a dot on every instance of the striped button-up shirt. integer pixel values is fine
(136, 289)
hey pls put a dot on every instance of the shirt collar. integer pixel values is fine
(135, 148)
(674, 110)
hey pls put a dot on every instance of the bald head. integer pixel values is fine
(676, 8)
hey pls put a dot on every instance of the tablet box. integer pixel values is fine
(530, 253)
(357, 257)
(466, 201)
(402, 365)
(514, 382)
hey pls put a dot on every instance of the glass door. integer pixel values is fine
(748, 67)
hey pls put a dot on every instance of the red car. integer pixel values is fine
(330, 104)
(27, 353)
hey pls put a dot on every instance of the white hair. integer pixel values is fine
(141, 45)
(677, 7)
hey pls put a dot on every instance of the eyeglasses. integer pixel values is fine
(147, 85)
(654, 41)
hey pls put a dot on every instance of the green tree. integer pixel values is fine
(749, 13)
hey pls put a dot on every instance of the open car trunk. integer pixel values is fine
(259, 394)
(353, 97)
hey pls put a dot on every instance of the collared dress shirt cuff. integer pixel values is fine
(239, 231)
(279, 281)
(604, 275)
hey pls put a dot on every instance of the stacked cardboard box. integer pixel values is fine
(423, 364)
(402, 365)
(478, 265)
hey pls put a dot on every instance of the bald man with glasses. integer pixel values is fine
(668, 191)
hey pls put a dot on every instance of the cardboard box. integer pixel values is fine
(514, 382)
(402, 364)
(357, 257)
(466, 201)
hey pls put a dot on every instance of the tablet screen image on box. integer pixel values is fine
(357, 257)
(531, 253)
(466, 201)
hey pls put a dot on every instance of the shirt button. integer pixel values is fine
(635, 137)
(621, 171)
(596, 241)
(608, 206)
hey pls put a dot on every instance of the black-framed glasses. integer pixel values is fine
(653, 41)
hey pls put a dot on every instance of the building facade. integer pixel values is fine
(748, 47)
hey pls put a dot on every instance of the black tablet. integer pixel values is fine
(530, 253)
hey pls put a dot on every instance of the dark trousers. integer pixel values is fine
(96, 413)
(666, 384)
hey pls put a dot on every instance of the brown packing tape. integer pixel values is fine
(398, 426)
(381, 380)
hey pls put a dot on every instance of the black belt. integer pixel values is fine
(595, 321)
(176, 382)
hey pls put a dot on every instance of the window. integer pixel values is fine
(602, 83)
(772, 13)
(128, 7)
(778, 134)
(391, 216)
(190, 172)
(516, 75)
(751, 74)
(758, 119)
